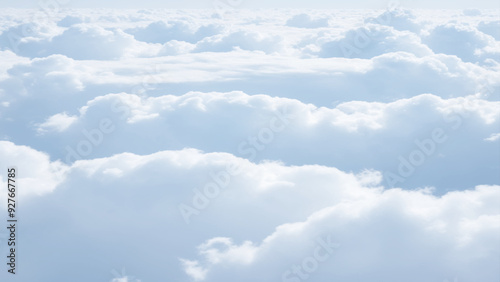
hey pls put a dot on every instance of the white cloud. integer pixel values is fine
(9, 59)
(283, 225)
(85, 42)
(57, 122)
(240, 39)
(398, 18)
(414, 226)
(449, 38)
(494, 137)
(374, 40)
(354, 135)
(162, 32)
(492, 28)
(194, 270)
(70, 20)
(36, 173)
(174, 47)
(50, 75)
(15, 37)
(305, 21)
(310, 80)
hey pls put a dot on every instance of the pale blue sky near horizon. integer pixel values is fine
(449, 4)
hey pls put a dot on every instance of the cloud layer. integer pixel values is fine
(362, 229)
(272, 145)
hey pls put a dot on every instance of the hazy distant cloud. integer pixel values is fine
(449, 39)
(374, 40)
(320, 4)
(241, 39)
(162, 32)
(400, 19)
(84, 42)
(492, 28)
(49, 75)
(70, 20)
(305, 21)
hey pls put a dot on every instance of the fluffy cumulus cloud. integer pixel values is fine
(395, 231)
(305, 21)
(335, 79)
(355, 129)
(15, 37)
(492, 28)
(58, 122)
(465, 42)
(272, 145)
(373, 40)
(400, 19)
(36, 173)
(52, 75)
(9, 59)
(245, 40)
(83, 42)
(162, 32)
(70, 20)
(330, 223)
